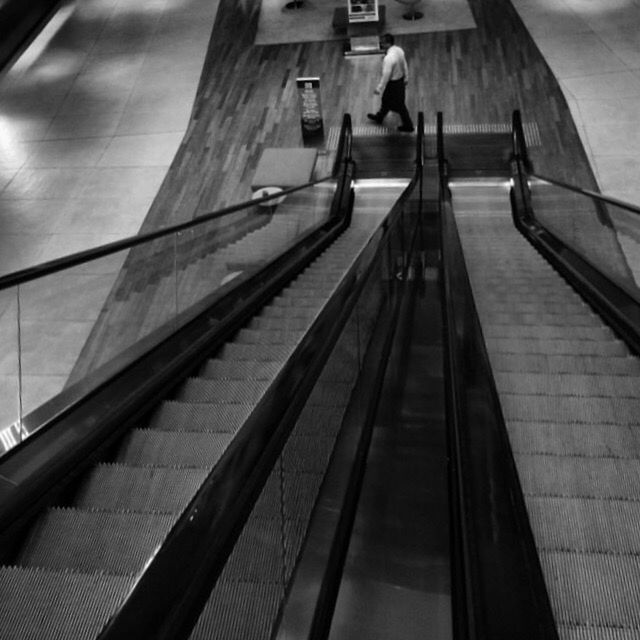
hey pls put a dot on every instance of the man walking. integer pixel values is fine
(395, 75)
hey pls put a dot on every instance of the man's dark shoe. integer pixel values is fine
(374, 117)
(406, 129)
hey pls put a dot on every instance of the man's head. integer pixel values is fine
(386, 41)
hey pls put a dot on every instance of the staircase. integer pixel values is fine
(569, 394)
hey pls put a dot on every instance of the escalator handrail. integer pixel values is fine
(619, 308)
(518, 140)
(498, 586)
(57, 265)
(600, 197)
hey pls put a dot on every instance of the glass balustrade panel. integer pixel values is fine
(220, 254)
(11, 431)
(597, 231)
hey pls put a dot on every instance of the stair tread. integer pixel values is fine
(33, 599)
(113, 542)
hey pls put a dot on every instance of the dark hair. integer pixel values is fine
(387, 38)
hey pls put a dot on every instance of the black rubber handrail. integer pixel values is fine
(600, 197)
(497, 582)
(518, 140)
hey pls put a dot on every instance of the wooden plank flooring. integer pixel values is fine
(247, 99)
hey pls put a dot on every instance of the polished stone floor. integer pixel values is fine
(593, 48)
(90, 118)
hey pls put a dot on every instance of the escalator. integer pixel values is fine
(568, 388)
(340, 457)
(121, 538)
(557, 301)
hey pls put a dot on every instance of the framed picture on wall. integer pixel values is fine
(363, 10)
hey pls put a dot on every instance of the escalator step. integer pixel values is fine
(568, 384)
(234, 351)
(220, 619)
(286, 324)
(308, 300)
(173, 415)
(598, 604)
(549, 332)
(88, 541)
(572, 438)
(564, 363)
(289, 312)
(242, 369)
(540, 306)
(246, 392)
(556, 347)
(70, 606)
(587, 526)
(560, 408)
(546, 319)
(307, 454)
(117, 487)
(578, 477)
(268, 336)
(264, 549)
(257, 554)
(173, 448)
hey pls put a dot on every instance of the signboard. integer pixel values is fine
(363, 10)
(310, 107)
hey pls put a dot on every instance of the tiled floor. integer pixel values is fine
(90, 119)
(593, 48)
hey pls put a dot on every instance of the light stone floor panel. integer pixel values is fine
(593, 48)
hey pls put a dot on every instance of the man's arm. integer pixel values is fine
(386, 74)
